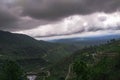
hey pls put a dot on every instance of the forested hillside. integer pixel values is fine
(61, 61)
(29, 52)
(93, 63)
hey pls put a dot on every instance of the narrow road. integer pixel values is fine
(69, 71)
(48, 73)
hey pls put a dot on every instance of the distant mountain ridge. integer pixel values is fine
(87, 41)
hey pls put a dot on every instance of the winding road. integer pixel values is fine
(69, 71)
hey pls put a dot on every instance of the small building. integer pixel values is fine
(31, 76)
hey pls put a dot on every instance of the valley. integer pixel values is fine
(55, 60)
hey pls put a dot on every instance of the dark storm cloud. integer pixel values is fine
(55, 9)
(6, 17)
(11, 18)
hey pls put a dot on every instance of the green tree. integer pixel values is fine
(81, 70)
(11, 71)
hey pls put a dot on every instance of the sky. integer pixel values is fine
(54, 19)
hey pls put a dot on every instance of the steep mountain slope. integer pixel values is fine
(31, 52)
(93, 56)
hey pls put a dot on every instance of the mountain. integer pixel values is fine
(30, 52)
(102, 60)
(87, 41)
(56, 57)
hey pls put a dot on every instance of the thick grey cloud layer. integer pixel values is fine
(53, 9)
(28, 14)
(11, 17)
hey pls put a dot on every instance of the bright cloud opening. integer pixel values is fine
(96, 23)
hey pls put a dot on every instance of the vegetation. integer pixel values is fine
(93, 63)
(29, 52)
(81, 70)
(105, 64)
(10, 70)
(57, 61)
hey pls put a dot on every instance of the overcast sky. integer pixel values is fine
(51, 19)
